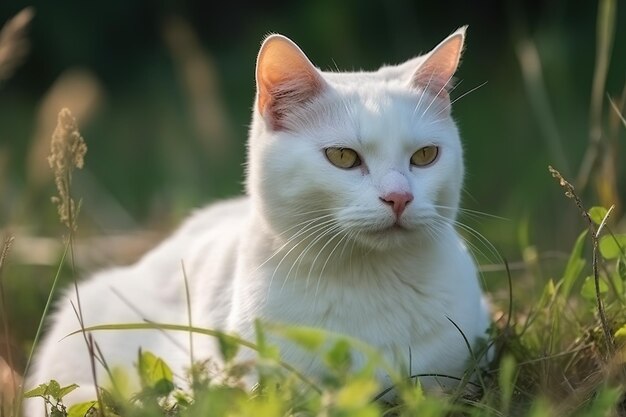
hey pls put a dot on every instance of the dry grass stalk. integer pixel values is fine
(13, 43)
(9, 379)
(594, 235)
(67, 151)
(618, 110)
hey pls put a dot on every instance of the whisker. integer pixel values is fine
(473, 249)
(475, 213)
(307, 213)
(329, 231)
(292, 238)
(478, 236)
(419, 102)
(309, 232)
(468, 92)
(319, 279)
(435, 98)
(354, 239)
(350, 234)
(431, 231)
(314, 219)
(459, 97)
(483, 240)
(456, 84)
(329, 228)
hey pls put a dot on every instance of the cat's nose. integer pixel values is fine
(398, 201)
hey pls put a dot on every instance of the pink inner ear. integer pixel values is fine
(277, 97)
(431, 78)
(285, 78)
(436, 72)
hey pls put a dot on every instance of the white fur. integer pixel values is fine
(311, 244)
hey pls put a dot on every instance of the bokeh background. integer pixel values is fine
(163, 92)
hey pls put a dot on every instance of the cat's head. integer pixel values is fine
(369, 157)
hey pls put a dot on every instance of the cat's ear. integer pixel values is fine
(436, 71)
(285, 78)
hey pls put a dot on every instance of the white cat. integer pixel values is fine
(353, 183)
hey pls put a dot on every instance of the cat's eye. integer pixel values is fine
(425, 156)
(345, 158)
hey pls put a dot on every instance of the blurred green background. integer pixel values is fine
(163, 92)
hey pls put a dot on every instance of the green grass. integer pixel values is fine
(553, 358)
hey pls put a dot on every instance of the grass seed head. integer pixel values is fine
(67, 151)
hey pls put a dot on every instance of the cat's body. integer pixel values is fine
(353, 188)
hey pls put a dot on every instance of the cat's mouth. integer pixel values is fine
(385, 237)
(395, 228)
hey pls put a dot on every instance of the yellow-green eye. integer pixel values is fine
(425, 156)
(343, 157)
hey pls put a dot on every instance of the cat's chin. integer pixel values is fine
(388, 238)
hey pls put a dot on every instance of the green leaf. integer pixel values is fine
(574, 266)
(81, 409)
(588, 290)
(597, 214)
(612, 246)
(218, 401)
(66, 390)
(618, 276)
(541, 408)
(266, 350)
(154, 373)
(120, 383)
(621, 269)
(228, 347)
(618, 282)
(263, 406)
(620, 334)
(357, 393)
(605, 401)
(548, 293)
(339, 357)
(309, 338)
(54, 389)
(506, 379)
(40, 391)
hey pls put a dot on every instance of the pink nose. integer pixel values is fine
(397, 200)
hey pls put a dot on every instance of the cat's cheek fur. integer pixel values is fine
(296, 179)
(291, 176)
